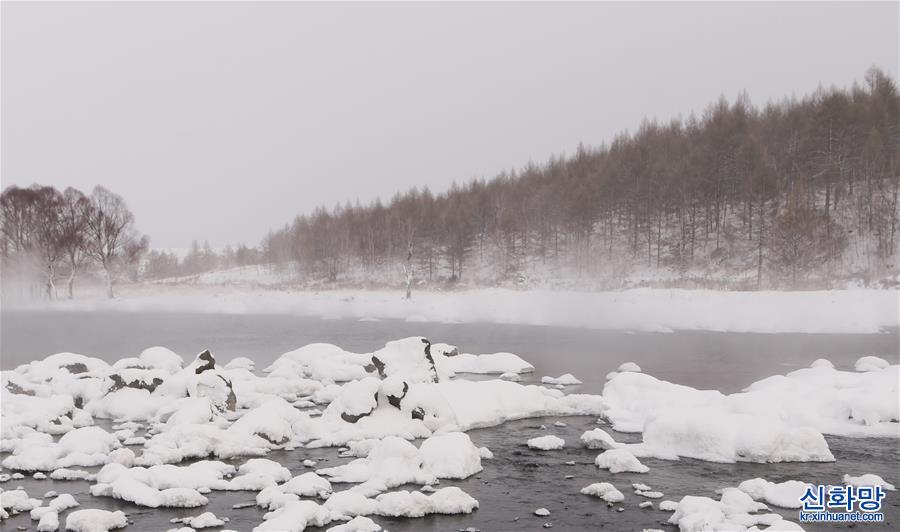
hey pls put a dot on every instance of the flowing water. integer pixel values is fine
(518, 480)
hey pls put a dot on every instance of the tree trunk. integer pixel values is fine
(109, 283)
(71, 284)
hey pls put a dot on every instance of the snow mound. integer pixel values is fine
(605, 491)
(784, 494)
(450, 500)
(547, 443)
(869, 479)
(95, 520)
(821, 363)
(161, 358)
(357, 524)
(620, 461)
(598, 439)
(629, 366)
(870, 363)
(563, 380)
(496, 363)
(734, 511)
(204, 520)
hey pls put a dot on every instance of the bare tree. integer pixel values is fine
(109, 232)
(48, 231)
(76, 208)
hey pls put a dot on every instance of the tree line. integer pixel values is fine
(163, 264)
(798, 189)
(61, 235)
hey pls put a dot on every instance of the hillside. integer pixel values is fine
(801, 193)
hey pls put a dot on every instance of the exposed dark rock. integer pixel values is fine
(231, 402)
(434, 375)
(209, 362)
(15, 388)
(76, 367)
(353, 418)
(394, 400)
(418, 413)
(119, 383)
(379, 365)
(282, 441)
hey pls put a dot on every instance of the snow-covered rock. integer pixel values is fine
(566, 379)
(870, 363)
(869, 479)
(620, 461)
(785, 494)
(598, 439)
(734, 511)
(547, 443)
(95, 520)
(357, 524)
(629, 366)
(605, 491)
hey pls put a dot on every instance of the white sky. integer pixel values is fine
(220, 121)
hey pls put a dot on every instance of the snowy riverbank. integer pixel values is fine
(158, 432)
(659, 310)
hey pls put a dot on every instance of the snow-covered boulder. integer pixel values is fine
(161, 358)
(598, 439)
(871, 363)
(603, 490)
(563, 380)
(734, 511)
(95, 520)
(785, 494)
(869, 479)
(409, 358)
(546, 443)
(620, 461)
(451, 455)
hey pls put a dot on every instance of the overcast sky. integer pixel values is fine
(221, 121)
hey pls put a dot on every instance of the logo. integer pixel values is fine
(841, 504)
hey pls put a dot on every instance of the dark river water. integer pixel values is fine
(518, 480)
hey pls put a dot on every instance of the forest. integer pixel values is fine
(47, 235)
(801, 192)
